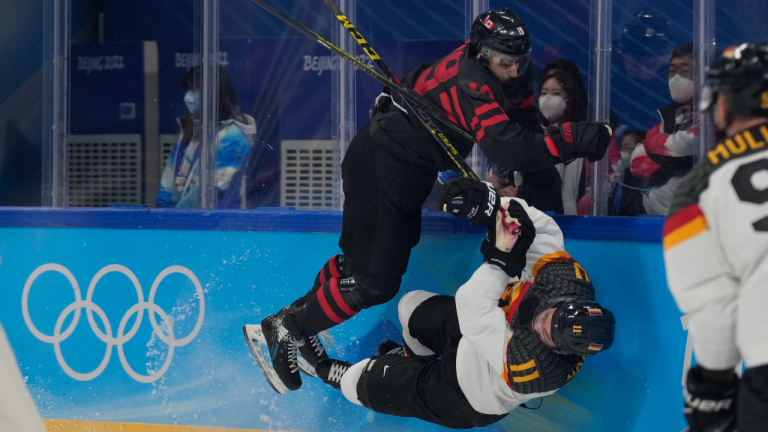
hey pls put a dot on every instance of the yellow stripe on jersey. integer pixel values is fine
(683, 225)
(546, 259)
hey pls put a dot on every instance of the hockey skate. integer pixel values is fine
(312, 351)
(258, 345)
(390, 347)
(331, 371)
(283, 365)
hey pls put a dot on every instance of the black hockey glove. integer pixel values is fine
(709, 407)
(508, 240)
(579, 140)
(472, 199)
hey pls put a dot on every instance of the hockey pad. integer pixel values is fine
(507, 241)
(709, 407)
(579, 140)
(254, 336)
(472, 199)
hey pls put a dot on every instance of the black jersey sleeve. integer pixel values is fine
(509, 142)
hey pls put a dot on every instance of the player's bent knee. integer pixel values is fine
(752, 411)
(350, 379)
(405, 309)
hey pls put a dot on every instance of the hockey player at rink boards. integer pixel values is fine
(392, 163)
(715, 246)
(501, 342)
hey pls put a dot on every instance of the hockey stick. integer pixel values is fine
(423, 115)
(424, 118)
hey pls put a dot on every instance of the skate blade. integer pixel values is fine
(307, 368)
(258, 345)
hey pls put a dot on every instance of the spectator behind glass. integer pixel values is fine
(562, 98)
(180, 182)
(638, 84)
(627, 199)
(666, 154)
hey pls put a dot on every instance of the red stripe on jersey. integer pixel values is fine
(527, 102)
(332, 265)
(487, 90)
(482, 110)
(515, 304)
(326, 307)
(339, 300)
(682, 217)
(489, 122)
(442, 73)
(447, 107)
(473, 86)
(458, 107)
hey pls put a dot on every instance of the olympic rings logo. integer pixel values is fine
(122, 337)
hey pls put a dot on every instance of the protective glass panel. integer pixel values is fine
(21, 89)
(126, 105)
(652, 97)
(560, 39)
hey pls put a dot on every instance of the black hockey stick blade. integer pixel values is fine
(424, 116)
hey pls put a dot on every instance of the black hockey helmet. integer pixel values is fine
(740, 75)
(579, 327)
(646, 35)
(503, 32)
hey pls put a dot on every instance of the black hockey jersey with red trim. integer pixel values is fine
(502, 119)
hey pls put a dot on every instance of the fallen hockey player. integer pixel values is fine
(467, 362)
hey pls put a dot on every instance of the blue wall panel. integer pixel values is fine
(244, 275)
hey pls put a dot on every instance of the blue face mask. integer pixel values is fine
(192, 100)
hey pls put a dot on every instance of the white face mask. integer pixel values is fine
(552, 107)
(192, 100)
(681, 89)
(626, 158)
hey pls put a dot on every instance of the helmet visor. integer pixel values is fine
(513, 64)
(543, 320)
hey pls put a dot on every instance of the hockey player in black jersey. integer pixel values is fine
(388, 171)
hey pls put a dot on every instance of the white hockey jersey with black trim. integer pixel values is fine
(716, 251)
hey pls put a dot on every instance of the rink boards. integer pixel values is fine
(65, 272)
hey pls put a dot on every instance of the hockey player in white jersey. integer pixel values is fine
(715, 249)
(503, 340)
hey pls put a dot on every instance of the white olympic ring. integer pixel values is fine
(121, 338)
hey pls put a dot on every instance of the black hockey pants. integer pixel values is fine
(427, 390)
(385, 186)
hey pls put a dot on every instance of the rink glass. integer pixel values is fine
(89, 116)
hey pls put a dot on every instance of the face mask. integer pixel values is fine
(681, 89)
(626, 158)
(192, 100)
(552, 107)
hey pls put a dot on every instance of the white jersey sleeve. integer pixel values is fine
(481, 320)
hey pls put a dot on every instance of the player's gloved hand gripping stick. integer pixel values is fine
(510, 229)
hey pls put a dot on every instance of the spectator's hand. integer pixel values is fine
(472, 199)
(507, 241)
(574, 140)
(501, 190)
